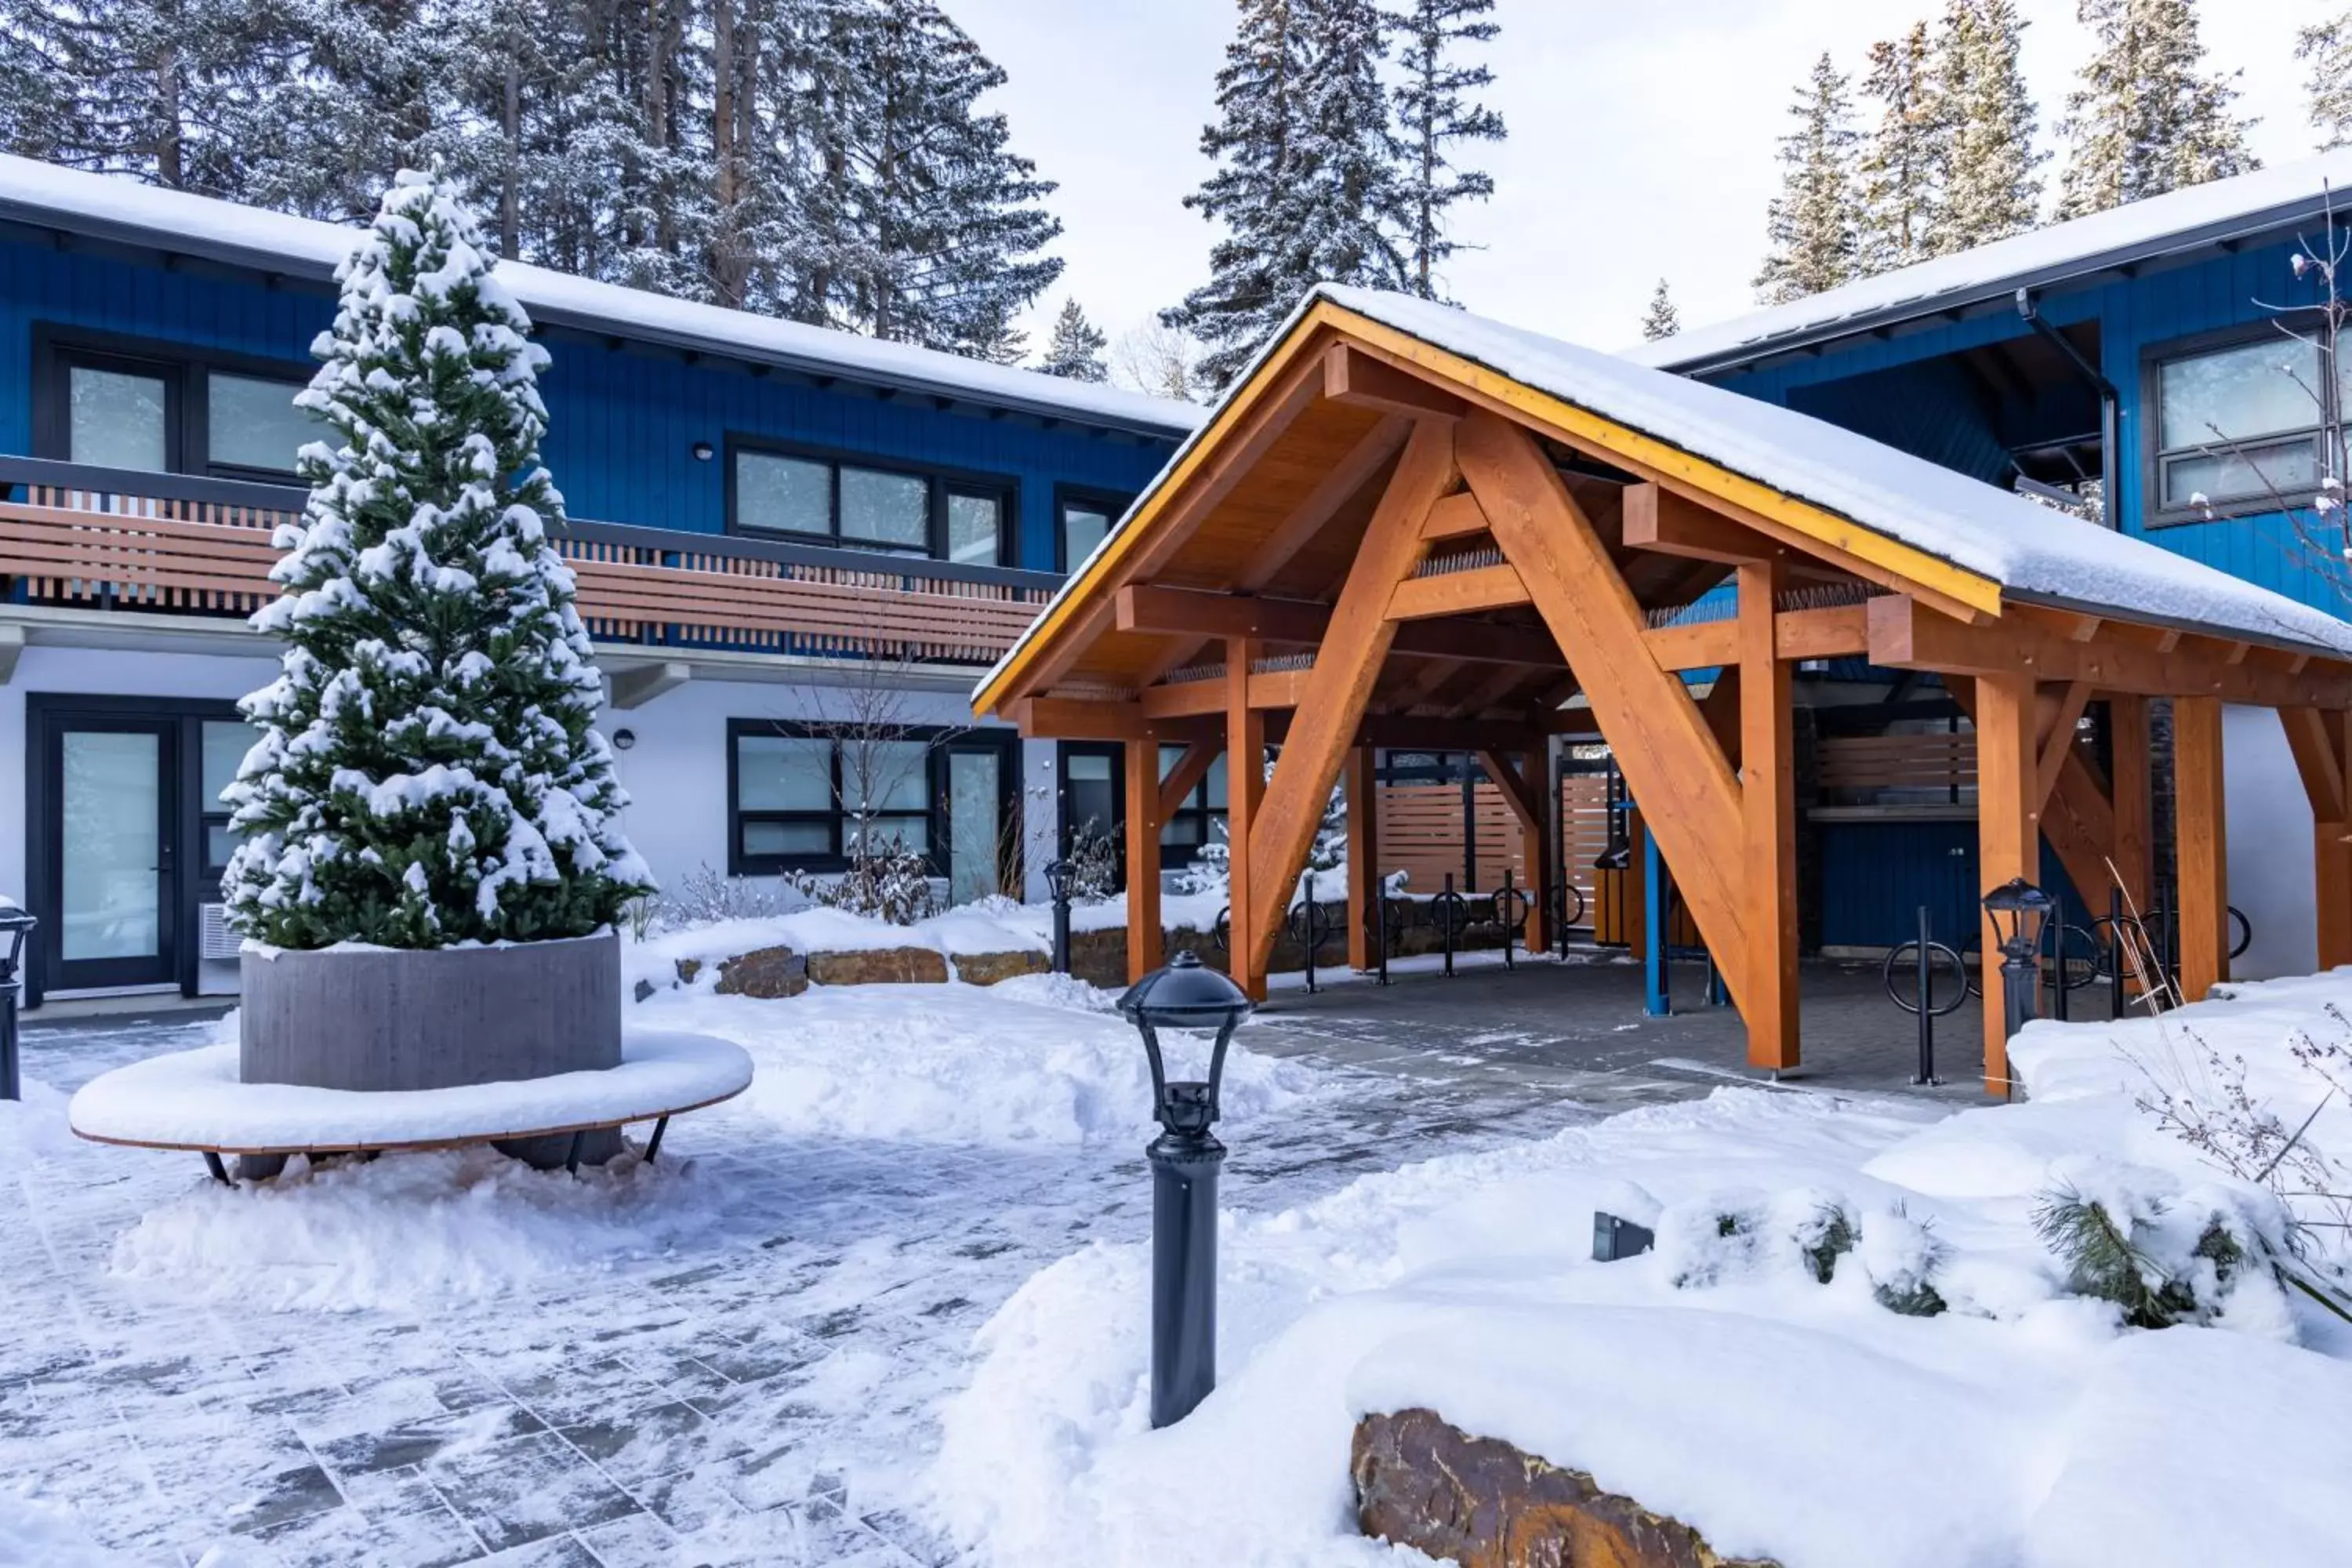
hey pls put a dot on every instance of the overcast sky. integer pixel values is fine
(1642, 137)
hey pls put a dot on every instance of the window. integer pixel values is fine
(799, 795)
(2234, 424)
(118, 402)
(224, 744)
(813, 495)
(1082, 520)
(1189, 826)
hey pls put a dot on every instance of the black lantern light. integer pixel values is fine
(1185, 1157)
(2018, 910)
(1058, 883)
(16, 925)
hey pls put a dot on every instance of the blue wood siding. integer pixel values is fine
(623, 423)
(1875, 876)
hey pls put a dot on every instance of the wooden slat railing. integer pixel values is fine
(91, 538)
(1871, 764)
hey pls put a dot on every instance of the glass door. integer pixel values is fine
(112, 829)
(976, 846)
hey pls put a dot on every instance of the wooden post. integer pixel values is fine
(1144, 936)
(1527, 802)
(1244, 790)
(2201, 847)
(2130, 780)
(1363, 859)
(2317, 738)
(1767, 800)
(2009, 834)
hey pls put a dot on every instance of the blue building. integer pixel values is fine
(2135, 366)
(783, 535)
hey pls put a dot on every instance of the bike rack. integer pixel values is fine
(1923, 950)
(1310, 926)
(1508, 901)
(1450, 912)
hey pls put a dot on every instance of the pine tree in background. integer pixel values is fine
(1991, 190)
(1905, 168)
(427, 772)
(1434, 113)
(1076, 349)
(2145, 120)
(1810, 225)
(1661, 319)
(2327, 46)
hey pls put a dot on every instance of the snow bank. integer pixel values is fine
(44, 1535)
(1037, 1060)
(1778, 1415)
(411, 1232)
(33, 1128)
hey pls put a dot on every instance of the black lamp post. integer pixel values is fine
(1058, 883)
(16, 925)
(2018, 910)
(1187, 995)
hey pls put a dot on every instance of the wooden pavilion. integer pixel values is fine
(1407, 527)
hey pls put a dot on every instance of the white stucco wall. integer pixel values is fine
(2269, 846)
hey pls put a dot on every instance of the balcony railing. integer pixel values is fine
(78, 536)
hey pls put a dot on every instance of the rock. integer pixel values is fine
(687, 968)
(879, 966)
(645, 988)
(1485, 1504)
(988, 968)
(1100, 957)
(767, 971)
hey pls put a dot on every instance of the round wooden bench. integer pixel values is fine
(194, 1100)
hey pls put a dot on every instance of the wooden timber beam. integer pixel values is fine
(1199, 757)
(1671, 765)
(1524, 796)
(2131, 794)
(1144, 938)
(2317, 740)
(1358, 380)
(1349, 474)
(2009, 836)
(1837, 632)
(2077, 814)
(1146, 607)
(1459, 515)
(1365, 884)
(1768, 803)
(1908, 635)
(1267, 689)
(2058, 711)
(1664, 523)
(1245, 789)
(1346, 665)
(2200, 851)
(1457, 593)
(1076, 718)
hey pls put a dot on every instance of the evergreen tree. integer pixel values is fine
(1905, 169)
(2328, 46)
(2145, 119)
(1076, 349)
(1661, 319)
(427, 771)
(1434, 113)
(1991, 189)
(1307, 185)
(1811, 225)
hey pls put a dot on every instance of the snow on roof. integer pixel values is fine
(2034, 551)
(2180, 220)
(114, 207)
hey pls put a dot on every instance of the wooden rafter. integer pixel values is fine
(1457, 593)
(1146, 607)
(1199, 757)
(1836, 632)
(1355, 378)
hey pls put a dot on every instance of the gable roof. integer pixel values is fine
(118, 209)
(1930, 525)
(2217, 215)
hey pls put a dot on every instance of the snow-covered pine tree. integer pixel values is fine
(1809, 226)
(2327, 46)
(1661, 319)
(1076, 349)
(1904, 167)
(1434, 113)
(427, 772)
(2147, 118)
(1991, 189)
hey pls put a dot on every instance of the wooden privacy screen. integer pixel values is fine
(84, 548)
(1584, 825)
(1866, 764)
(1421, 834)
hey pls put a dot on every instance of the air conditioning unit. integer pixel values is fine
(214, 937)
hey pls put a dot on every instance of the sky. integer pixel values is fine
(1643, 139)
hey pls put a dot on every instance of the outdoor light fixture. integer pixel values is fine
(1613, 1238)
(624, 739)
(2019, 912)
(1058, 883)
(16, 925)
(1187, 995)
(703, 451)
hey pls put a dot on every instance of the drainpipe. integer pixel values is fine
(2110, 402)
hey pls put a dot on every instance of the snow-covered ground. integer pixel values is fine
(1718, 1378)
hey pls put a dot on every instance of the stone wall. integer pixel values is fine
(1485, 1504)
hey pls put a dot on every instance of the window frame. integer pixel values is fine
(2153, 511)
(942, 740)
(1196, 808)
(1093, 500)
(186, 370)
(941, 483)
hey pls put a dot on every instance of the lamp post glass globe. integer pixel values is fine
(1187, 995)
(1057, 879)
(2019, 912)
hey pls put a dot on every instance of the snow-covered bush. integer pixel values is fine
(1802, 1234)
(2164, 1253)
(428, 770)
(707, 896)
(885, 881)
(1094, 865)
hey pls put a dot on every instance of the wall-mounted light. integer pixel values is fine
(624, 739)
(702, 451)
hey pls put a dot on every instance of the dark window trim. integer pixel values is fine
(1065, 496)
(1116, 751)
(186, 369)
(2154, 513)
(1196, 806)
(942, 482)
(942, 740)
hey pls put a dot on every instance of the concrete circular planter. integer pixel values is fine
(375, 1019)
